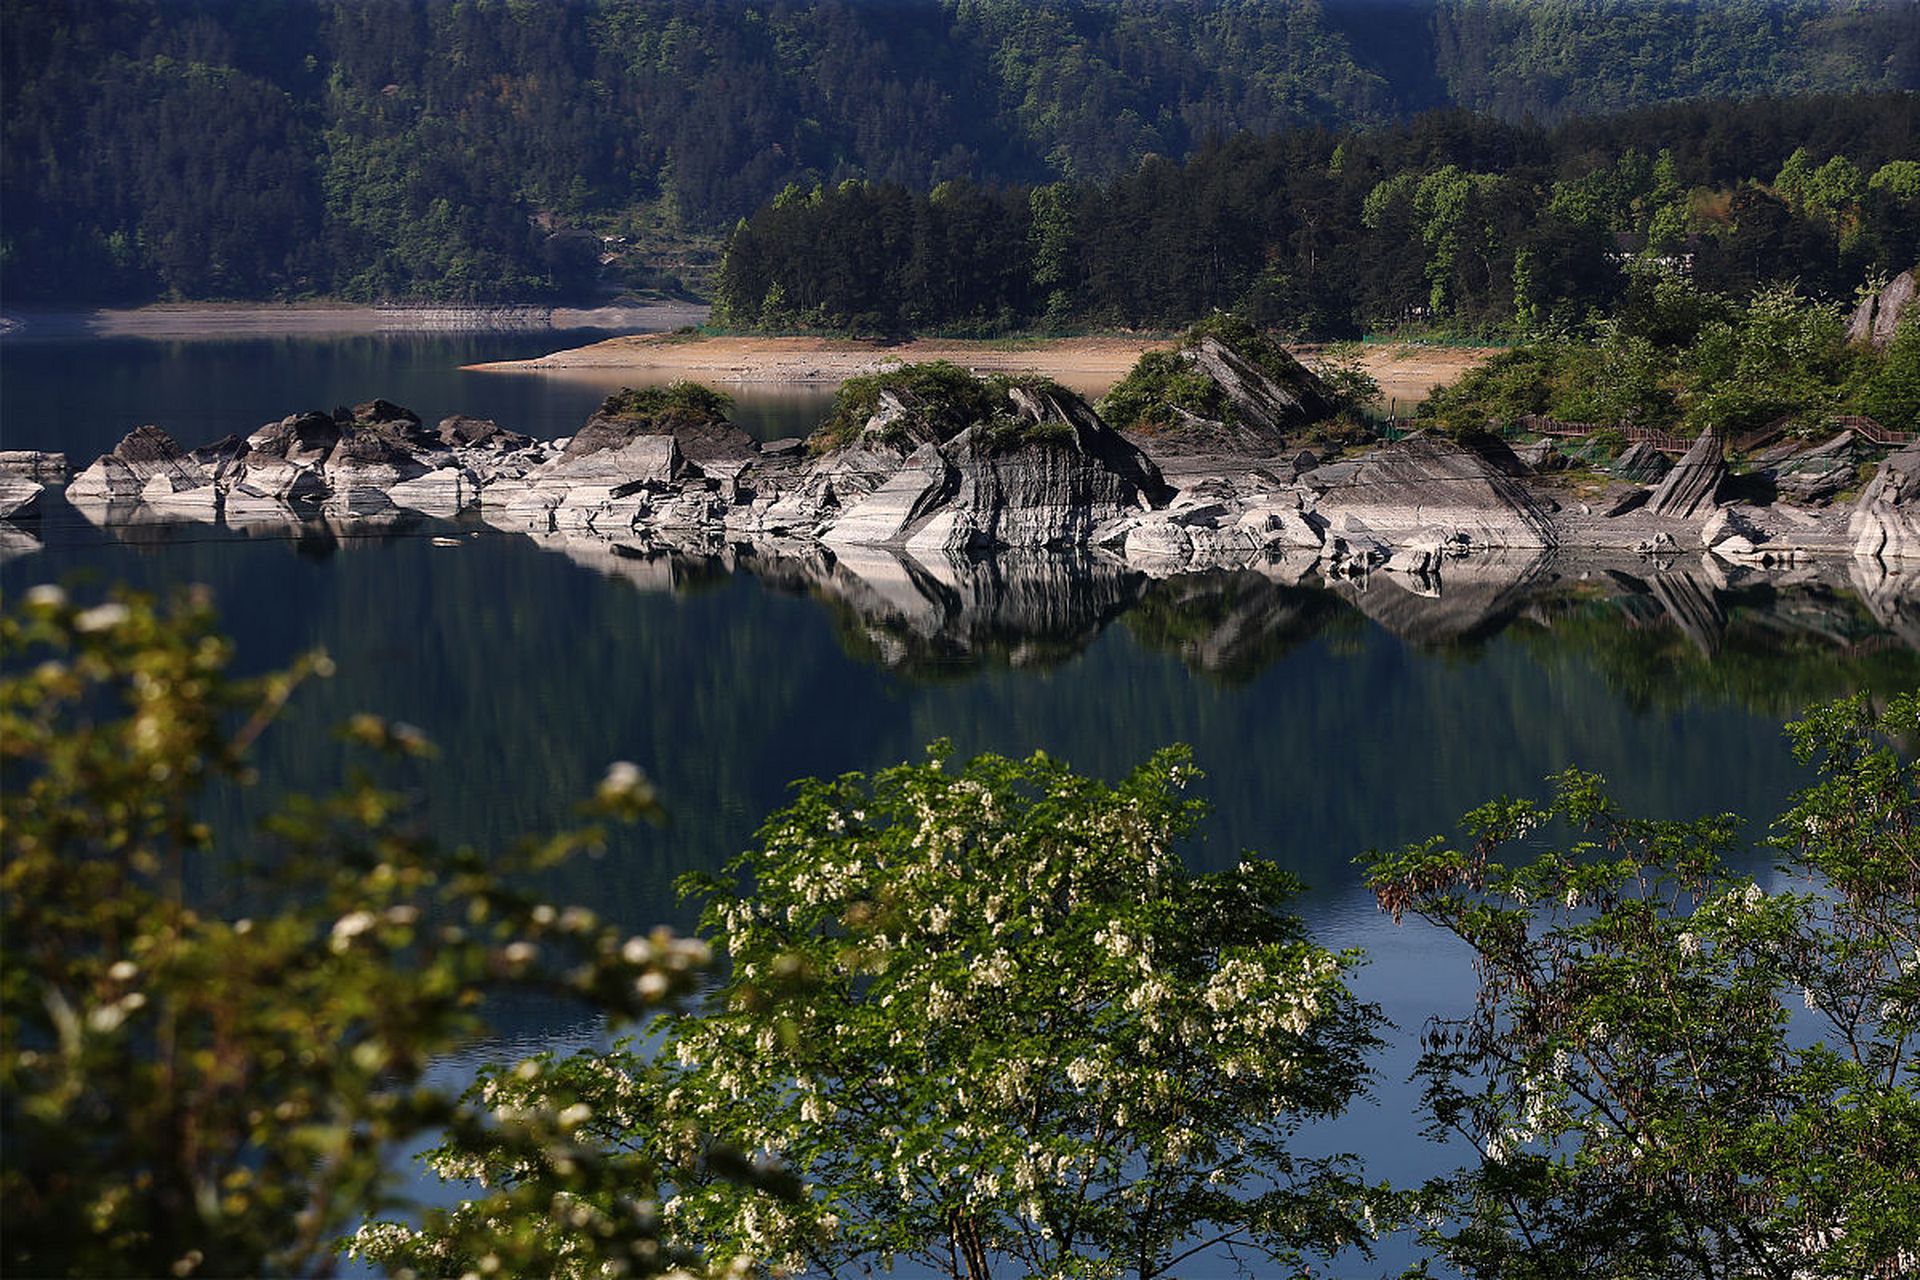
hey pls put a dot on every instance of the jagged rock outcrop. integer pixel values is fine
(1541, 457)
(1262, 405)
(1879, 314)
(1426, 483)
(1046, 479)
(24, 476)
(147, 466)
(1690, 487)
(19, 496)
(1885, 524)
(1814, 475)
(1641, 464)
(1260, 401)
(34, 464)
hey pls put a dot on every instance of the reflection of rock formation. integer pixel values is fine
(1892, 596)
(1690, 600)
(1030, 608)
(16, 542)
(1467, 600)
(1232, 623)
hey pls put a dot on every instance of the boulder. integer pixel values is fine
(1689, 488)
(142, 456)
(19, 496)
(34, 464)
(1641, 463)
(1885, 524)
(1731, 522)
(1426, 482)
(1542, 457)
(1879, 314)
(304, 439)
(700, 441)
(460, 432)
(1816, 475)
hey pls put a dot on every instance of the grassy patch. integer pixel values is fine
(681, 402)
(943, 400)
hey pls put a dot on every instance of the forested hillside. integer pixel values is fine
(496, 148)
(1454, 222)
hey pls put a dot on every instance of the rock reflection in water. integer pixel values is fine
(940, 615)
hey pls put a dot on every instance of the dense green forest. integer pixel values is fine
(1453, 221)
(500, 149)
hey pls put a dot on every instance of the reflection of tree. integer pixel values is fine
(1670, 639)
(1022, 1033)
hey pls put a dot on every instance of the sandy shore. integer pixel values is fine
(244, 320)
(1087, 365)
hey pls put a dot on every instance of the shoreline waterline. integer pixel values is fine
(217, 320)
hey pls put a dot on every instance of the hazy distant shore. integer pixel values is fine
(1406, 372)
(243, 320)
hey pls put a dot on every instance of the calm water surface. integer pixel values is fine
(1327, 725)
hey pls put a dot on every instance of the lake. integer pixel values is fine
(1327, 723)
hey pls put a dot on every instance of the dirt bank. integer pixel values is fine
(1087, 365)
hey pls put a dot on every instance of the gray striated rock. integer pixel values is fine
(304, 439)
(1879, 314)
(1641, 464)
(1427, 483)
(1885, 524)
(1048, 479)
(1542, 457)
(19, 496)
(603, 489)
(700, 441)
(1690, 487)
(1816, 475)
(146, 464)
(34, 464)
(1259, 401)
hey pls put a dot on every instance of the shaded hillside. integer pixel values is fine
(193, 148)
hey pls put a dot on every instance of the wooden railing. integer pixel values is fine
(1664, 441)
(1862, 425)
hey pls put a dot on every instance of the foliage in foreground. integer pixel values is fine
(992, 1022)
(207, 1053)
(1672, 1069)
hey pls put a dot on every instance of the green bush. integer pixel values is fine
(682, 401)
(944, 398)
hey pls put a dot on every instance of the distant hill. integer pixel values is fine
(498, 148)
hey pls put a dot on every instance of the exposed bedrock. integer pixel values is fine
(1879, 314)
(1019, 465)
(1689, 488)
(1427, 485)
(1885, 524)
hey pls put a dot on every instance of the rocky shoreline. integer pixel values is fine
(1027, 467)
